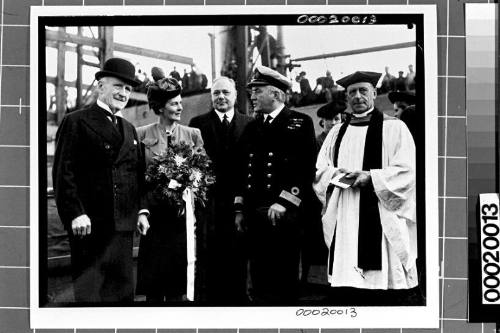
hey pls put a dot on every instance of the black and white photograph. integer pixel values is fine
(220, 163)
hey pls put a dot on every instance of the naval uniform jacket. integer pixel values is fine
(98, 171)
(277, 163)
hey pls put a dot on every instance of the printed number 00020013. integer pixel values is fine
(491, 244)
(337, 19)
(327, 312)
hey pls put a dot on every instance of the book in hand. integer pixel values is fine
(341, 181)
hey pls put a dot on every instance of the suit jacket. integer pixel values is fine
(98, 171)
(222, 149)
(277, 163)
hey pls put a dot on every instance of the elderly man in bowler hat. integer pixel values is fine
(276, 166)
(369, 226)
(98, 174)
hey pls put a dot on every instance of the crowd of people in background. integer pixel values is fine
(191, 81)
(323, 91)
(326, 86)
(400, 83)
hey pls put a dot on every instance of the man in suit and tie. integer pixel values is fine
(98, 174)
(221, 130)
(277, 166)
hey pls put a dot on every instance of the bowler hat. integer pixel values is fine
(265, 76)
(360, 76)
(119, 68)
(402, 96)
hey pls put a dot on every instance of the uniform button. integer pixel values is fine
(249, 186)
(250, 155)
(107, 146)
(269, 165)
(249, 175)
(249, 165)
(269, 175)
(268, 186)
(271, 154)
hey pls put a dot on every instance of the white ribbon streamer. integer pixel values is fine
(187, 196)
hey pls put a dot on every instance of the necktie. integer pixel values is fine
(225, 123)
(114, 122)
(267, 122)
(113, 119)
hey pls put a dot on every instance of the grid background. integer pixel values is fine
(14, 163)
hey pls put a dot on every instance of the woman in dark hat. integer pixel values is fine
(401, 100)
(330, 115)
(162, 264)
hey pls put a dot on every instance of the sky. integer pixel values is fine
(299, 41)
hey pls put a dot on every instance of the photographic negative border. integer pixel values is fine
(244, 317)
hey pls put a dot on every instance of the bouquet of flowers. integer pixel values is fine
(178, 169)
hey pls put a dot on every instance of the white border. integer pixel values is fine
(245, 317)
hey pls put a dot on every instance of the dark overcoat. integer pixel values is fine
(98, 171)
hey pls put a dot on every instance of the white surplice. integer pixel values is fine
(394, 186)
